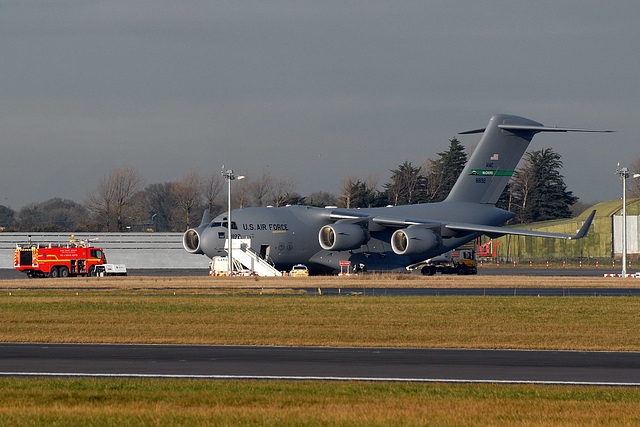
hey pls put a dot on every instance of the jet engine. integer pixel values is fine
(342, 237)
(414, 241)
(191, 241)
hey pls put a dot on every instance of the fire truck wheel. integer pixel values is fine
(54, 273)
(64, 271)
(92, 271)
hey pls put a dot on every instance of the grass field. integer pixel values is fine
(191, 310)
(192, 316)
(142, 402)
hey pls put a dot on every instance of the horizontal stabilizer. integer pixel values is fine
(469, 132)
(536, 129)
(548, 129)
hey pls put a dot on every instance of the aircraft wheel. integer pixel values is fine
(64, 271)
(428, 271)
(54, 273)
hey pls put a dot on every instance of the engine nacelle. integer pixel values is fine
(342, 237)
(191, 241)
(414, 241)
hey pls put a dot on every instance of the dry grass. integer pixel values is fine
(363, 281)
(197, 317)
(167, 402)
(205, 310)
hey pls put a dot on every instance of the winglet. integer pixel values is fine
(585, 227)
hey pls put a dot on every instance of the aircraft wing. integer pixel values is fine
(386, 221)
(520, 232)
(390, 221)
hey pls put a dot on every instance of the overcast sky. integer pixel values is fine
(314, 91)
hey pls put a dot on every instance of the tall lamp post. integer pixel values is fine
(624, 174)
(635, 175)
(230, 176)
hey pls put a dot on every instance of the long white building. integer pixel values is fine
(135, 250)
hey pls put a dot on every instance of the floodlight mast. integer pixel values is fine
(229, 176)
(624, 174)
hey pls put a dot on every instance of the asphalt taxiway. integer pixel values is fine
(321, 363)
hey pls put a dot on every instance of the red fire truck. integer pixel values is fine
(58, 260)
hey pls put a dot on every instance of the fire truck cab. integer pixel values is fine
(58, 260)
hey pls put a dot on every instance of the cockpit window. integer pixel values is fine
(234, 226)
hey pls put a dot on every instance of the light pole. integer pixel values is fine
(624, 174)
(230, 176)
(624, 214)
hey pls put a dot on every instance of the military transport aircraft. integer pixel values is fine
(387, 238)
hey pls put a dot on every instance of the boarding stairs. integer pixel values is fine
(250, 259)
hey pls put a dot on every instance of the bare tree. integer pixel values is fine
(188, 194)
(268, 190)
(436, 182)
(159, 200)
(101, 202)
(127, 182)
(349, 191)
(283, 188)
(113, 193)
(212, 186)
(260, 189)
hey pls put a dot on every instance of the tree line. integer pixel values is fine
(122, 202)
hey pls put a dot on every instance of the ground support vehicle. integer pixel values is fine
(299, 270)
(56, 260)
(111, 270)
(220, 267)
(461, 262)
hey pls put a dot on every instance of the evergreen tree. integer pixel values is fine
(538, 191)
(321, 199)
(444, 171)
(55, 214)
(406, 186)
(7, 217)
(357, 194)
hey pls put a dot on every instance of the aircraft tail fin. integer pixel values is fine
(493, 163)
(205, 218)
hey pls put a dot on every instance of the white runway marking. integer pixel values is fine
(313, 378)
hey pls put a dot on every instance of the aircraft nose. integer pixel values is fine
(210, 243)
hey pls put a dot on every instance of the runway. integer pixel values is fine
(321, 363)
